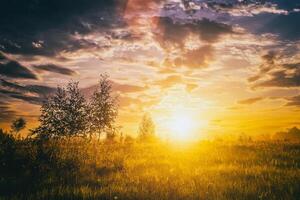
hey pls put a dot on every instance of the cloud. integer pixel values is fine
(191, 86)
(276, 72)
(10, 85)
(139, 102)
(141, 5)
(246, 8)
(250, 100)
(55, 69)
(38, 89)
(30, 99)
(128, 88)
(254, 78)
(118, 87)
(268, 62)
(259, 17)
(281, 79)
(193, 59)
(293, 101)
(196, 58)
(171, 31)
(125, 101)
(18, 95)
(169, 81)
(6, 114)
(285, 26)
(30, 93)
(48, 27)
(14, 69)
(188, 42)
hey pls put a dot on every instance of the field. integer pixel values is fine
(205, 170)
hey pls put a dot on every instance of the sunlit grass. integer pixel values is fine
(206, 170)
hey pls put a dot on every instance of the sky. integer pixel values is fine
(230, 66)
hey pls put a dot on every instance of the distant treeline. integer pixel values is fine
(292, 134)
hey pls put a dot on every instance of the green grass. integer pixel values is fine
(206, 170)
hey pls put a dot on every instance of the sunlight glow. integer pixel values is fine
(180, 117)
(182, 126)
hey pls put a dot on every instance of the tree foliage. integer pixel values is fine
(18, 124)
(64, 113)
(147, 128)
(103, 108)
(67, 113)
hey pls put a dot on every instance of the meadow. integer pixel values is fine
(80, 169)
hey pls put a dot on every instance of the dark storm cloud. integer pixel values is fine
(55, 69)
(14, 69)
(47, 27)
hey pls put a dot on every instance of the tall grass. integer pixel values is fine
(206, 170)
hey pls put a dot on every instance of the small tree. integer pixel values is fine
(64, 113)
(76, 110)
(103, 108)
(18, 124)
(147, 128)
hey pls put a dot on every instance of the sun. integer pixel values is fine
(180, 117)
(182, 126)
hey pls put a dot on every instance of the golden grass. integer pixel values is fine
(206, 170)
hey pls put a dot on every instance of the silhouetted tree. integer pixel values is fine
(147, 128)
(103, 108)
(64, 113)
(18, 124)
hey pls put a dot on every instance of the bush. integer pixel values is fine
(27, 165)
